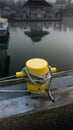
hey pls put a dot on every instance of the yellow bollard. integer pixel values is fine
(38, 67)
(54, 69)
(20, 74)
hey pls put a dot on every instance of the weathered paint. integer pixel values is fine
(23, 111)
(30, 112)
(35, 103)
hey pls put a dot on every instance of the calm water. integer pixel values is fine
(52, 41)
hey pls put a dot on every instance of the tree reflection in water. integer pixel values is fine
(4, 57)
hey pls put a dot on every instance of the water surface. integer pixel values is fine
(52, 41)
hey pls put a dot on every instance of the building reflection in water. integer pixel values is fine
(4, 58)
(36, 31)
(56, 25)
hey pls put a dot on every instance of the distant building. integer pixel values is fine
(60, 4)
(69, 2)
(36, 9)
(68, 11)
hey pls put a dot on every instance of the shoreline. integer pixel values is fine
(32, 20)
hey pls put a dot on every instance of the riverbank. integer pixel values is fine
(30, 19)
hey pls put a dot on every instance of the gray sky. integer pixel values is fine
(54, 0)
(51, 0)
(46, 0)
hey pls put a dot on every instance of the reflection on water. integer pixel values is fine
(4, 57)
(36, 32)
(52, 41)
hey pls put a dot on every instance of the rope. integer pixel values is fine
(35, 79)
(9, 77)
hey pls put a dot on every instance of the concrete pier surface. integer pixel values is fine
(38, 112)
(28, 111)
